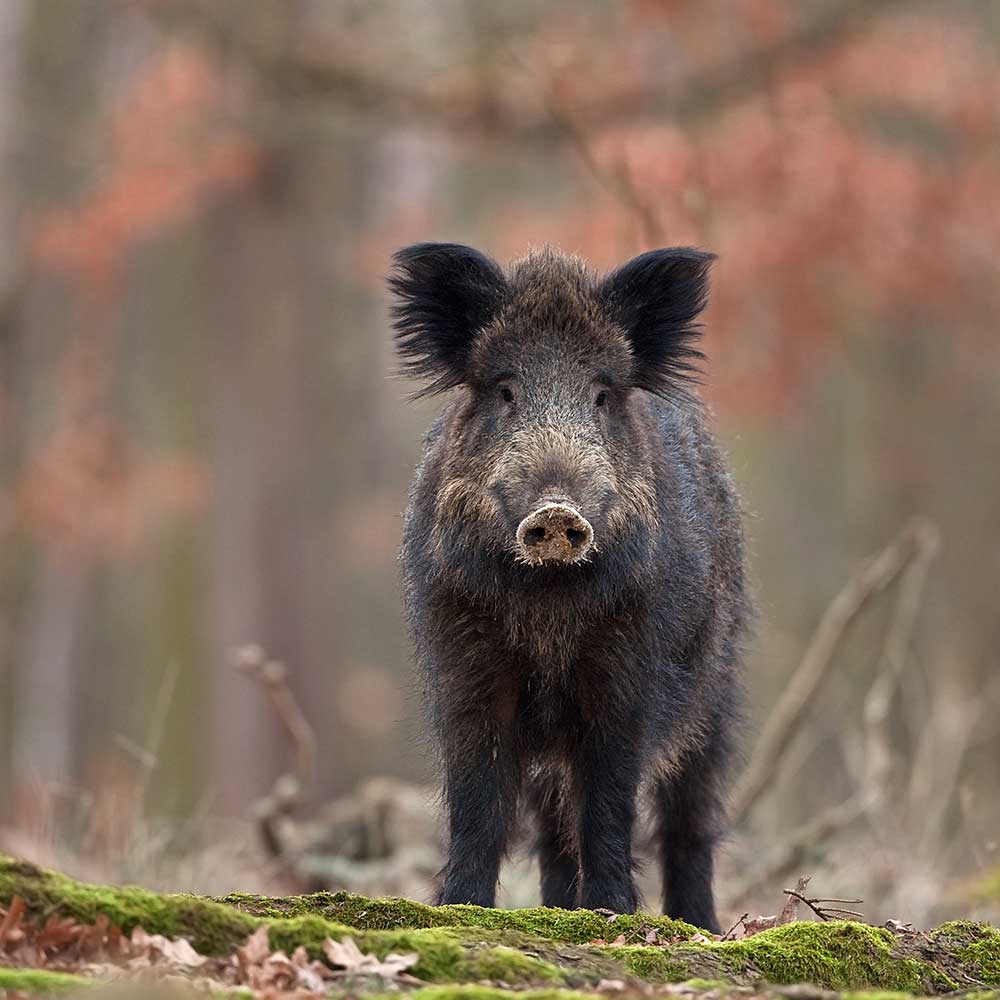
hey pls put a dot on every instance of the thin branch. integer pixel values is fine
(802, 899)
(158, 724)
(893, 661)
(616, 178)
(787, 716)
(825, 912)
(730, 935)
(791, 906)
(286, 793)
(274, 677)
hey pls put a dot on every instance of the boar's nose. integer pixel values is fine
(555, 532)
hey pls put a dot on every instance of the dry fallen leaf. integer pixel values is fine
(256, 948)
(101, 940)
(273, 973)
(155, 949)
(348, 956)
(10, 921)
(757, 924)
(310, 974)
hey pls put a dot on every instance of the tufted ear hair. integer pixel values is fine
(445, 294)
(656, 298)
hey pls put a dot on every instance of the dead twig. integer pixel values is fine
(893, 661)
(274, 677)
(286, 793)
(789, 912)
(615, 178)
(730, 935)
(791, 907)
(787, 716)
(825, 912)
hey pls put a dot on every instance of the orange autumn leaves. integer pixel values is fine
(89, 489)
(169, 150)
(852, 183)
(856, 187)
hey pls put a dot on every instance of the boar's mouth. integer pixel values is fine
(554, 533)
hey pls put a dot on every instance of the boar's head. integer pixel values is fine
(550, 449)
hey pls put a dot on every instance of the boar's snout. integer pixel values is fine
(555, 532)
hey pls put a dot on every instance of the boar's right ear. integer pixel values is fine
(445, 294)
(656, 298)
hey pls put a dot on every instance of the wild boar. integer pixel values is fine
(573, 568)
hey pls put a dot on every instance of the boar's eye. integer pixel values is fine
(601, 398)
(506, 394)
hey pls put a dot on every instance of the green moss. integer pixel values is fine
(211, 927)
(510, 966)
(838, 955)
(716, 987)
(39, 982)
(575, 926)
(447, 954)
(538, 947)
(658, 965)
(983, 955)
(970, 951)
(43, 983)
(486, 993)
(875, 995)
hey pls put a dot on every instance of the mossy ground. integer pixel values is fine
(39, 982)
(462, 947)
(578, 926)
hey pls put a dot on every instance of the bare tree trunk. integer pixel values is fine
(52, 102)
(257, 456)
(44, 689)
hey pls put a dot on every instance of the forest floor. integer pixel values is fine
(58, 936)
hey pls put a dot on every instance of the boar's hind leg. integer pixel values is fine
(690, 814)
(556, 846)
(481, 788)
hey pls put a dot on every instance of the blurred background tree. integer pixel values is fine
(201, 445)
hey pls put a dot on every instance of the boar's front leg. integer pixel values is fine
(607, 781)
(481, 788)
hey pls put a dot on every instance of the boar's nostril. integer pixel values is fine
(534, 535)
(555, 532)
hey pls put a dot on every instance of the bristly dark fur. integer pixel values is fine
(657, 297)
(571, 689)
(446, 294)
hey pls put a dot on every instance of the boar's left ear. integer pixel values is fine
(445, 294)
(656, 298)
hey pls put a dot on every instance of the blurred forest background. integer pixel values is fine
(202, 445)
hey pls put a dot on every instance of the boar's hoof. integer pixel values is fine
(554, 532)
